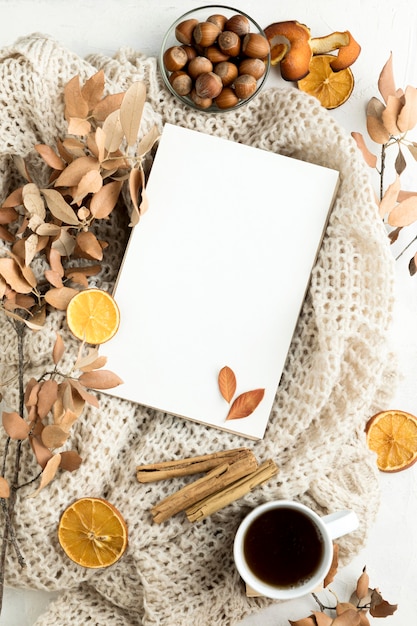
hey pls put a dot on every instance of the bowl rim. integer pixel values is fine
(186, 100)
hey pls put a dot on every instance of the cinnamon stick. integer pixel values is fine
(216, 480)
(187, 467)
(228, 494)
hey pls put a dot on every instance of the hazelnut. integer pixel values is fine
(199, 65)
(208, 85)
(206, 33)
(227, 98)
(229, 43)
(215, 54)
(202, 103)
(218, 19)
(227, 71)
(190, 51)
(255, 45)
(175, 58)
(238, 24)
(245, 85)
(184, 31)
(181, 82)
(254, 67)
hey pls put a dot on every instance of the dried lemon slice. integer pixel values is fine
(393, 436)
(93, 316)
(331, 88)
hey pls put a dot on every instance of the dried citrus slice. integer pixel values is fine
(393, 436)
(92, 533)
(331, 88)
(93, 316)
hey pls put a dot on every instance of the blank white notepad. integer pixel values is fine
(215, 274)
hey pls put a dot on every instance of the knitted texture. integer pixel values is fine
(339, 371)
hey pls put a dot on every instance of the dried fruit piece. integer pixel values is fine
(393, 436)
(331, 88)
(290, 45)
(93, 533)
(93, 316)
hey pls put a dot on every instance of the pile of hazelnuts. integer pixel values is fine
(217, 62)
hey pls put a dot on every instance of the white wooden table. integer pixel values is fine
(380, 26)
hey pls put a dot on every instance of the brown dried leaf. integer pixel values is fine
(370, 158)
(78, 278)
(47, 229)
(342, 607)
(350, 617)
(412, 266)
(87, 397)
(31, 392)
(100, 142)
(390, 197)
(14, 199)
(227, 383)
(21, 167)
(107, 105)
(404, 213)
(91, 182)
(70, 148)
(380, 607)
(88, 243)
(95, 365)
(53, 436)
(31, 248)
(12, 274)
(144, 204)
(8, 215)
(55, 262)
(15, 426)
(400, 162)
(66, 420)
(41, 452)
(377, 130)
(364, 621)
(148, 141)
(4, 488)
(50, 157)
(322, 619)
(101, 379)
(72, 174)
(131, 111)
(305, 621)
(32, 200)
(48, 473)
(136, 180)
(103, 202)
(93, 88)
(38, 320)
(6, 235)
(75, 103)
(113, 131)
(362, 585)
(58, 349)
(386, 83)
(47, 396)
(70, 460)
(59, 207)
(59, 298)
(245, 404)
(65, 243)
(54, 279)
(407, 118)
(333, 567)
(390, 115)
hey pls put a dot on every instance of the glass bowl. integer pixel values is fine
(208, 33)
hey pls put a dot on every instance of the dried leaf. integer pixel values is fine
(305, 621)
(102, 379)
(390, 197)
(245, 404)
(53, 436)
(70, 460)
(75, 103)
(59, 298)
(103, 202)
(377, 130)
(15, 426)
(227, 383)
(88, 243)
(47, 396)
(48, 473)
(38, 320)
(50, 157)
(93, 88)
(386, 83)
(95, 365)
(88, 397)
(32, 200)
(380, 607)
(6, 235)
(31, 392)
(12, 274)
(54, 279)
(100, 142)
(4, 488)
(131, 111)
(370, 158)
(144, 205)
(14, 199)
(390, 115)
(113, 131)
(364, 621)
(407, 118)
(55, 262)
(48, 229)
(135, 185)
(333, 567)
(148, 141)
(72, 175)
(20, 165)
(400, 162)
(350, 617)
(91, 182)
(58, 349)
(322, 619)
(413, 150)
(362, 585)
(405, 213)
(64, 244)
(8, 215)
(59, 207)
(107, 106)
(41, 452)
(31, 248)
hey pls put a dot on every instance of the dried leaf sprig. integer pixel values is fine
(245, 403)
(364, 602)
(388, 124)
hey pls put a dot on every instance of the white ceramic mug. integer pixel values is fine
(283, 549)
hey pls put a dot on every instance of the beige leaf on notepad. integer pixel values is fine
(227, 383)
(245, 404)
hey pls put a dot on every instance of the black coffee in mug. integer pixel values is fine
(283, 547)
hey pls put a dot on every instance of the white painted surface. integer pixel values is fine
(89, 26)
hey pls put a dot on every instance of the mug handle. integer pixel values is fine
(341, 523)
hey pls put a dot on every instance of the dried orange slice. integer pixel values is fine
(93, 316)
(393, 436)
(331, 88)
(92, 533)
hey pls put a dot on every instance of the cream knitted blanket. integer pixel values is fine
(338, 372)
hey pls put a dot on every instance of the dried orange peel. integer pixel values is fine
(92, 533)
(347, 47)
(290, 46)
(392, 435)
(331, 88)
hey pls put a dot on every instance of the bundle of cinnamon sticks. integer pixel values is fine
(228, 475)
